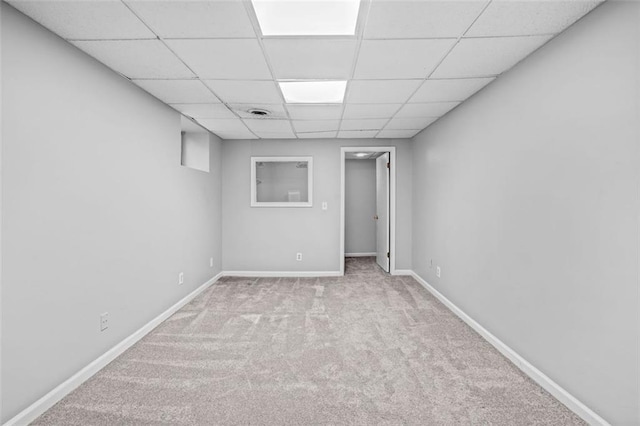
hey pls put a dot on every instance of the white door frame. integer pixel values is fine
(392, 199)
(383, 218)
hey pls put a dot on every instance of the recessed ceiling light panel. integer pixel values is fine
(307, 17)
(313, 92)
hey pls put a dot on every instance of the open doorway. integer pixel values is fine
(367, 221)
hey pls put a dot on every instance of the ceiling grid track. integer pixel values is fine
(189, 68)
(362, 23)
(256, 28)
(397, 66)
(460, 37)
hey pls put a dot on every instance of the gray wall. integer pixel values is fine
(267, 239)
(195, 150)
(527, 197)
(1, 133)
(98, 214)
(360, 206)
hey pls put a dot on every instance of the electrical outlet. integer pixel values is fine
(211, 262)
(181, 278)
(298, 256)
(438, 271)
(325, 206)
(104, 321)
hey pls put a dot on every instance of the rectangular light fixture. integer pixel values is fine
(307, 17)
(313, 92)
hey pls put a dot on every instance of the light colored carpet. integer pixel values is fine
(366, 348)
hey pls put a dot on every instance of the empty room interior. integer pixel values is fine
(320, 212)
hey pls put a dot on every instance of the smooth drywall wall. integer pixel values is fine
(527, 197)
(260, 239)
(195, 150)
(1, 214)
(98, 214)
(360, 206)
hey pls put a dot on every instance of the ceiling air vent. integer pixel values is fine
(257, 112)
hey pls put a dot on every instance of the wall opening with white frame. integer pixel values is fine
(391, 150)
(281, 182)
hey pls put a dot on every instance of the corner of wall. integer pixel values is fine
(1, 127)
(215, 162)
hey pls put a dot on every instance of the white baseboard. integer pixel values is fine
(538, 376)
(281, 274)
(43, 404)
(36, 409)
(403, 272)
(359, 254)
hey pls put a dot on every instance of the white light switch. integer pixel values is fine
(324, 205)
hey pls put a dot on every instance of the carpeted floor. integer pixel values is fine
(366, 348)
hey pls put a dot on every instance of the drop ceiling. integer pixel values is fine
(408, 63)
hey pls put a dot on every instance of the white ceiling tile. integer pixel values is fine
(228, 128)
(275, 110)
(277, 135)
(235, 134)
(512, 18)
(364, 124)
(86, 20)
(420, 19)
(476, 57)
(314, 112)
(409, 123)
(397, 134)
(223, 58)
(246, 92)
(356, 134)
(195, 19)
(204, 110)
(449, 90)
(302, 59)
(137, 58)
(178, 91)
(432, 109)
(317, 135)
(186, 125)
(268, 125)
(315, 125)
(381, 91)
(400, 59)
(222, 124)
(355, 111)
